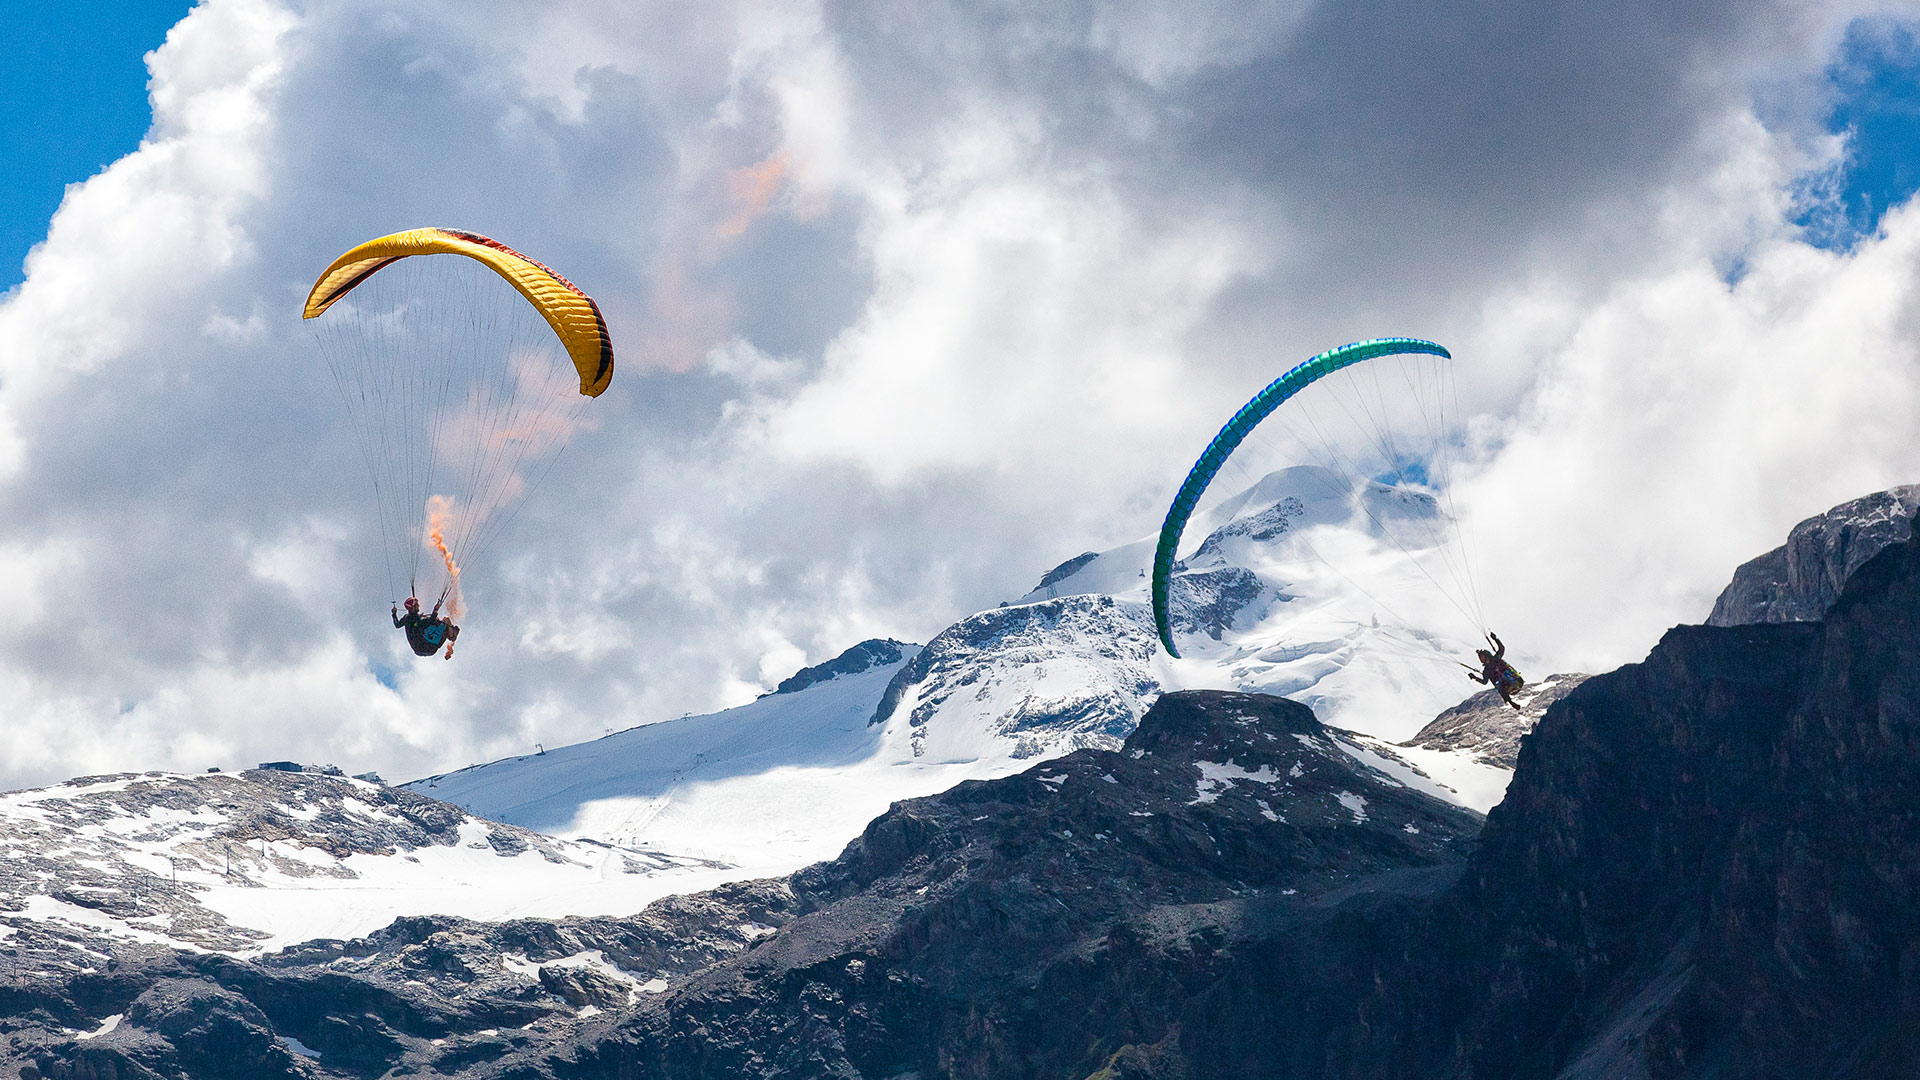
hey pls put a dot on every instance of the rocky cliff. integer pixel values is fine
(1798, 580)
(1708, 864)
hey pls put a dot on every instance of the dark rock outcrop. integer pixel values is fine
(1490, 729)
(1797, 581)
(1708, 864)
(1066, 570)
(869, 654)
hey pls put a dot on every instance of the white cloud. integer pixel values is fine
(168, 215)
(1685, 424)
(954, 365)
(30, 587)
(305, 560)
(912, 302)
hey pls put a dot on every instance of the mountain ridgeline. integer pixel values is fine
(1800, 579)
(1706, 865)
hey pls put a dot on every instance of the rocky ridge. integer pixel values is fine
(1800, 579)
(174, 860)
(1487, 729)
(1221, 811)
(867, 655)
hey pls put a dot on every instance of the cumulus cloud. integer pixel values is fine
(1686, 422)
(912, 302)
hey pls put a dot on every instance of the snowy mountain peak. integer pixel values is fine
(1027, 680)
(1302, 497)
(1320, 491)
(1260, 526)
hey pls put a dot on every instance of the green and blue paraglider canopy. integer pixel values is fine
(1235, 432)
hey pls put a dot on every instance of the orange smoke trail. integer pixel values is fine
(439, 520)
(753, 189)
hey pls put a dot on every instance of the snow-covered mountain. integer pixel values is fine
(244, 863)
(764, 788)
(1293, 591)
(1028, 680)
(788, 779)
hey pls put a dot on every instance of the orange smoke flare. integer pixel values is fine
(439, 521)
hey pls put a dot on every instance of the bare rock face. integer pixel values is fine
(1799, 580)
(1488, 728)
(1708, 863)
(1213, 602)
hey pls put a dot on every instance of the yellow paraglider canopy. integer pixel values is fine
(574, 316)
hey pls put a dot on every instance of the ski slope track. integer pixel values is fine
(764, 789)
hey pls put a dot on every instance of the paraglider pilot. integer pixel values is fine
(425, 633)
(1496, 672)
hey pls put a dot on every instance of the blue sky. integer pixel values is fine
(912, 302)
(1875, 83)
(75, 89)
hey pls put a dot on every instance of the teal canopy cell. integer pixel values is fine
(1235, 431)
